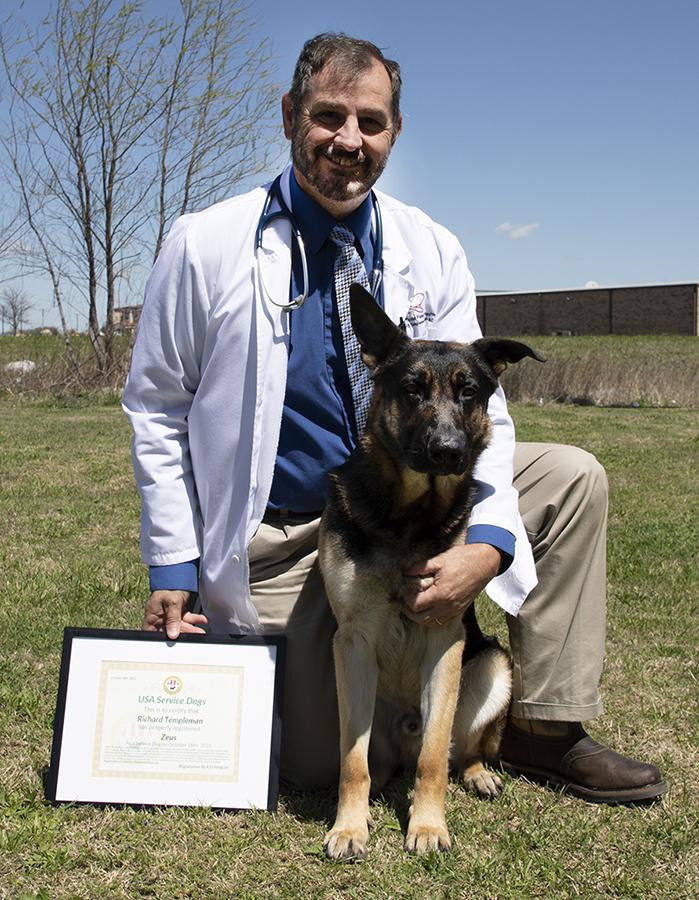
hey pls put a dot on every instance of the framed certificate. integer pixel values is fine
(142, 720)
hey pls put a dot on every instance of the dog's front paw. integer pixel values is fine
(348, 844)
(482, 782)
(426, 838)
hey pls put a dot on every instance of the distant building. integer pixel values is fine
(125, 318)
(644, 309)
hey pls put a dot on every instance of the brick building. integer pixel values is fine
(647, 309)
(125, 318)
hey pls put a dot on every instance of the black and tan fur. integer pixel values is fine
(424, 697)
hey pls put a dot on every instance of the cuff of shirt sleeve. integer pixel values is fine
(500, 538)
(179, 577)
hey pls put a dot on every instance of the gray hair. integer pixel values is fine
(350, 56)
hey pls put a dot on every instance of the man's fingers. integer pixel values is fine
(432, 606)
(416, 584)
(429, 567)
(422, 601)
(192, 621)
(189, 624)
(153, 618)
(173, 605)
(173, 622)
(442, 588)
(187, 628)
(165, 612)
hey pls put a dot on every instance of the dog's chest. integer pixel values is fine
(400, 650)
(365, 594)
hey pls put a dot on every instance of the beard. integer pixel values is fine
(338, 184)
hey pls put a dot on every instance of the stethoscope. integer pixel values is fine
(269, 215)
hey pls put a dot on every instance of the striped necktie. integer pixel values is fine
(349, 268)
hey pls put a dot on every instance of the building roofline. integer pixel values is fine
(578, 290)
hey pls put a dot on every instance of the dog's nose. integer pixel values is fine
(446, 452)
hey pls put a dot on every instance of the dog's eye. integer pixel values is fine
(413, 390)
(465, 388)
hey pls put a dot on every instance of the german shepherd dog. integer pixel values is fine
(403, 496)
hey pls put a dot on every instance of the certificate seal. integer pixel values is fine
(172, 685)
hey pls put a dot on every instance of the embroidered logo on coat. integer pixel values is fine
(417, 314)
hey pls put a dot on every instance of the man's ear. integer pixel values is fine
(498, 352)
(397, 130)
(378, 337)
(287, 116)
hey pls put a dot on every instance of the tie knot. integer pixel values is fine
(342, 236)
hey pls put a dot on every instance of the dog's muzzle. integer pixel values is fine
(446, 454)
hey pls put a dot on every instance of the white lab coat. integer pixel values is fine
(207, 382)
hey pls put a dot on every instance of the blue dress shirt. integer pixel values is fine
(318, 431)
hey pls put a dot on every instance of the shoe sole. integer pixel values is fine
(642, 794)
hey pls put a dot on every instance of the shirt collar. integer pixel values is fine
(316, 223)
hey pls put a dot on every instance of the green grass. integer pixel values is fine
(69, 555)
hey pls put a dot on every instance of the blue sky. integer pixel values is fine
(558, 140)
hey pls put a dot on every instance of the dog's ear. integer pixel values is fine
(499, 352)
(378, 337)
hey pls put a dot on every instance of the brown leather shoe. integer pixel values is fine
(579, 765)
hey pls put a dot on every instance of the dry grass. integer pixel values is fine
(658, 370)
(56, 373)
(661, 370)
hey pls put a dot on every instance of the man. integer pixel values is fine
(240, 407)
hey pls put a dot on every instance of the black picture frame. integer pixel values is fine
(129, 637)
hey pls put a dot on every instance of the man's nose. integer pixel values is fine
(349, 137)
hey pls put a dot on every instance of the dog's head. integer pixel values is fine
(429, 407)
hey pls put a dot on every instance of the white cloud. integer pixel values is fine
(516, 232)
(591, 284)
(523, 231)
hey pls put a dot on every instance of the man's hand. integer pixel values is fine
(165, 611)
(444, 586)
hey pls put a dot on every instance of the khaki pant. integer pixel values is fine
(557, 640)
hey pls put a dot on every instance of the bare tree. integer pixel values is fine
(116, 124)
(14, 308)
(11, 228)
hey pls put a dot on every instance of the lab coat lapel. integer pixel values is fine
(272, 279)
(274, 265)
(398, 287)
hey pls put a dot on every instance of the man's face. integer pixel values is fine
(342, 136)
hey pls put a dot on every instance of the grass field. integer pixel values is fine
(68, 556)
